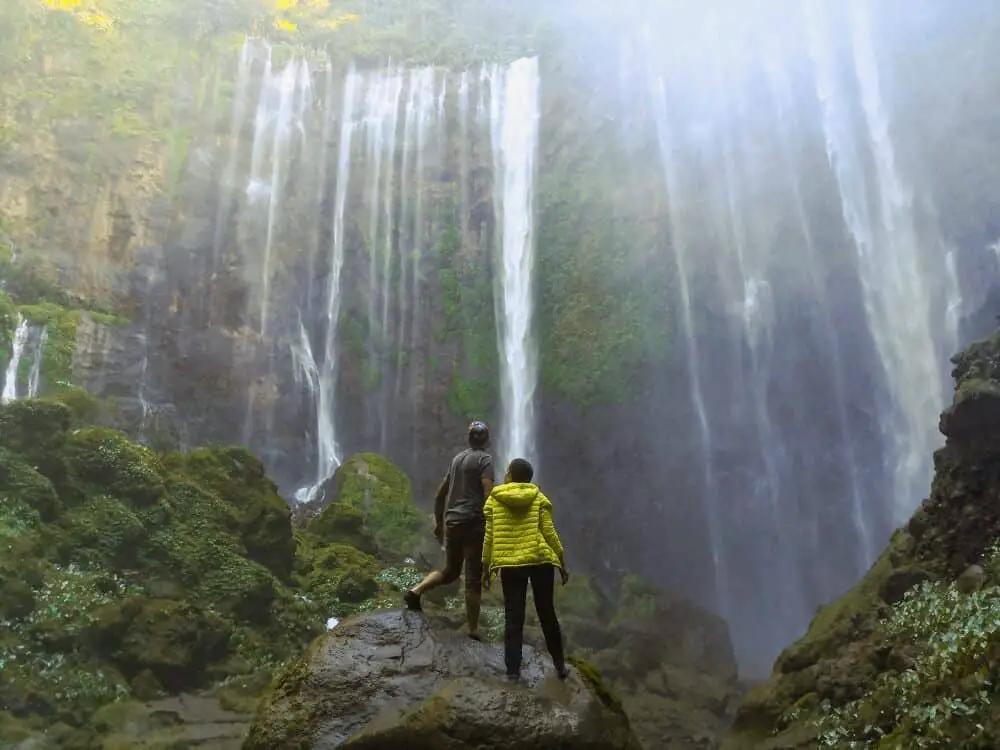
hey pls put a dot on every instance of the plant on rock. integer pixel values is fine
(943, 648)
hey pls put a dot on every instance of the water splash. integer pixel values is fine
(514, 115)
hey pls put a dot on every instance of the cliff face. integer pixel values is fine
(713, 396)
(905, 657)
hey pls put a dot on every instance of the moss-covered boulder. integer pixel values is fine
(374, 487)
(262, 518)
(902, 660)
(124, 572)
(340, 523)
(342, 574)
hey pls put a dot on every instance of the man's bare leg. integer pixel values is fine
(473, 602)
(432, 580)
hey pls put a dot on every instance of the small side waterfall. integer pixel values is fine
(35, 376)
(514, 114)
(17, 351)
(28, 347)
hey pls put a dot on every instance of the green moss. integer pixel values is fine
(173, 640)
(103, 532)
(104, 458)
(37, 431)
(340, 574)
(81, 403)
(341, 523)
(383, 495)
(592, 677)
(21, 483)
(262, 518)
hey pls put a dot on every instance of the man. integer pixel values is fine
(458, 524)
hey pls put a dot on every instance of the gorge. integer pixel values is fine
(706, 269)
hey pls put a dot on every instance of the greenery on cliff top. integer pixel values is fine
(124, 572)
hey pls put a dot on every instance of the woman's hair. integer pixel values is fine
(520, 470)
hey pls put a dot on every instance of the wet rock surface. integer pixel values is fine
(407, 681)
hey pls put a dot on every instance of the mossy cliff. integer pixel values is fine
(125, 573)
(908, 657)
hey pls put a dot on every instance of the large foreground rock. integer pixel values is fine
(402, 681)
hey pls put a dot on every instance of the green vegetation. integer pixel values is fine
(124, 572)
(382, 494)
(603, 307)
(941, 690)
(468, 333)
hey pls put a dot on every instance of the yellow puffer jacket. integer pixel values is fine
(519, 529)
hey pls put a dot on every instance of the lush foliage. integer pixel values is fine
(126, 572)
(941, 696)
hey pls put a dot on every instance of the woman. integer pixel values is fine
(521, 542)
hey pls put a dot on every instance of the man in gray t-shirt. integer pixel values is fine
(458, 524)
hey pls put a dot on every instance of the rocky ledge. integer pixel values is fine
(405, 681)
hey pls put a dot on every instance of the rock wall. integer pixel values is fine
(116, 189)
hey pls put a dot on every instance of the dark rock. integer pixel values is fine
(399, 680)
(971, 579)
(899, 582)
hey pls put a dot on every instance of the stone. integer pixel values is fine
(405, 681)
(971, 579)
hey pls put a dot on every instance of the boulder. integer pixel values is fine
(404, 681)
(376, 488)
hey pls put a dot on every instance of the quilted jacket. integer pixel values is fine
(519, 528)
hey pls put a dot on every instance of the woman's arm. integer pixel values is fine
(548, 529)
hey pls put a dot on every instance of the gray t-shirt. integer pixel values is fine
(465, 486)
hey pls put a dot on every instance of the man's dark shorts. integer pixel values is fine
(463, 543)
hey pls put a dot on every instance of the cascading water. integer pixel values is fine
(897, 272)
(35, 375)
(10, 378)
(791, 335)
(514, 114)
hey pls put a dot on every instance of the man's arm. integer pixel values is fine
(440, 500)
(486, 474)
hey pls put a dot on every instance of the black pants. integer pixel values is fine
(515, 592)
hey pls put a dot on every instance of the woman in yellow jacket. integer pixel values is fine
(521, 542)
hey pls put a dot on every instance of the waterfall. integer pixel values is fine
(326, 438)
(10, 378)
(893, 261)
(815, 341)
(35, 375)
(679, 242)
(514, 114)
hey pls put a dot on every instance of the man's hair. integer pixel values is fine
(521, 471)
(479, 434)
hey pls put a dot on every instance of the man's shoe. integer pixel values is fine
(412, 601)
(562, 671)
